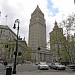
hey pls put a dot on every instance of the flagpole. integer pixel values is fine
(0, 13)
(6, 19)
(0, 16)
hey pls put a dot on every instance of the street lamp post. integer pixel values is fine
(15, 53)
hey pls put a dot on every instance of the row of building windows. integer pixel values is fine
(4, 32)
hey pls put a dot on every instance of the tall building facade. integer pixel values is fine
(58, 45)
(37, 30)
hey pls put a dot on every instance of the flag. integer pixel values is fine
(6, 16)
(6, 19)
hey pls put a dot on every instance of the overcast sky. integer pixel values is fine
(22, 9)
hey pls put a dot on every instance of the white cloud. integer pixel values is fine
(65, 7)
(22, 9)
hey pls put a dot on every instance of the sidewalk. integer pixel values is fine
(21, 73)
(18, 73)
(44, 73)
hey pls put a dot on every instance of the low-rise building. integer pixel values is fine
(8, 44)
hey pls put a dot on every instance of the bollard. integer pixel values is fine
(9, 70)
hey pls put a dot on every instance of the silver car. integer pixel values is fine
(43, 65)
(57, 66)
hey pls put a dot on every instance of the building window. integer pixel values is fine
(12, 48)
(6, 46)
(1, 31)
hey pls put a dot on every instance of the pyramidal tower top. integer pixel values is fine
(37, 10)
(56, 26)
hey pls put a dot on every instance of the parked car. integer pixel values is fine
(57, 66)
(43, 65)
(72, 66)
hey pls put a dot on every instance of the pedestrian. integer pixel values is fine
(5, 65)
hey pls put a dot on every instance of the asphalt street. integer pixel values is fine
(31, 69)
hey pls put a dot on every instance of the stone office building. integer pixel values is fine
(37, 30)
(8, 44)
(37, 36)
(58, 45)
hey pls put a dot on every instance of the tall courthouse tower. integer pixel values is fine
(37, 30)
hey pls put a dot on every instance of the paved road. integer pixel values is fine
(32, 70)
(45, 73)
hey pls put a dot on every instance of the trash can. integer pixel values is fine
(9, 70)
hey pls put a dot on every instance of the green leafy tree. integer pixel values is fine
(68, 26)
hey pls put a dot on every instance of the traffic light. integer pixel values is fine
(14, 26)
(19, 53)
(39, 48)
